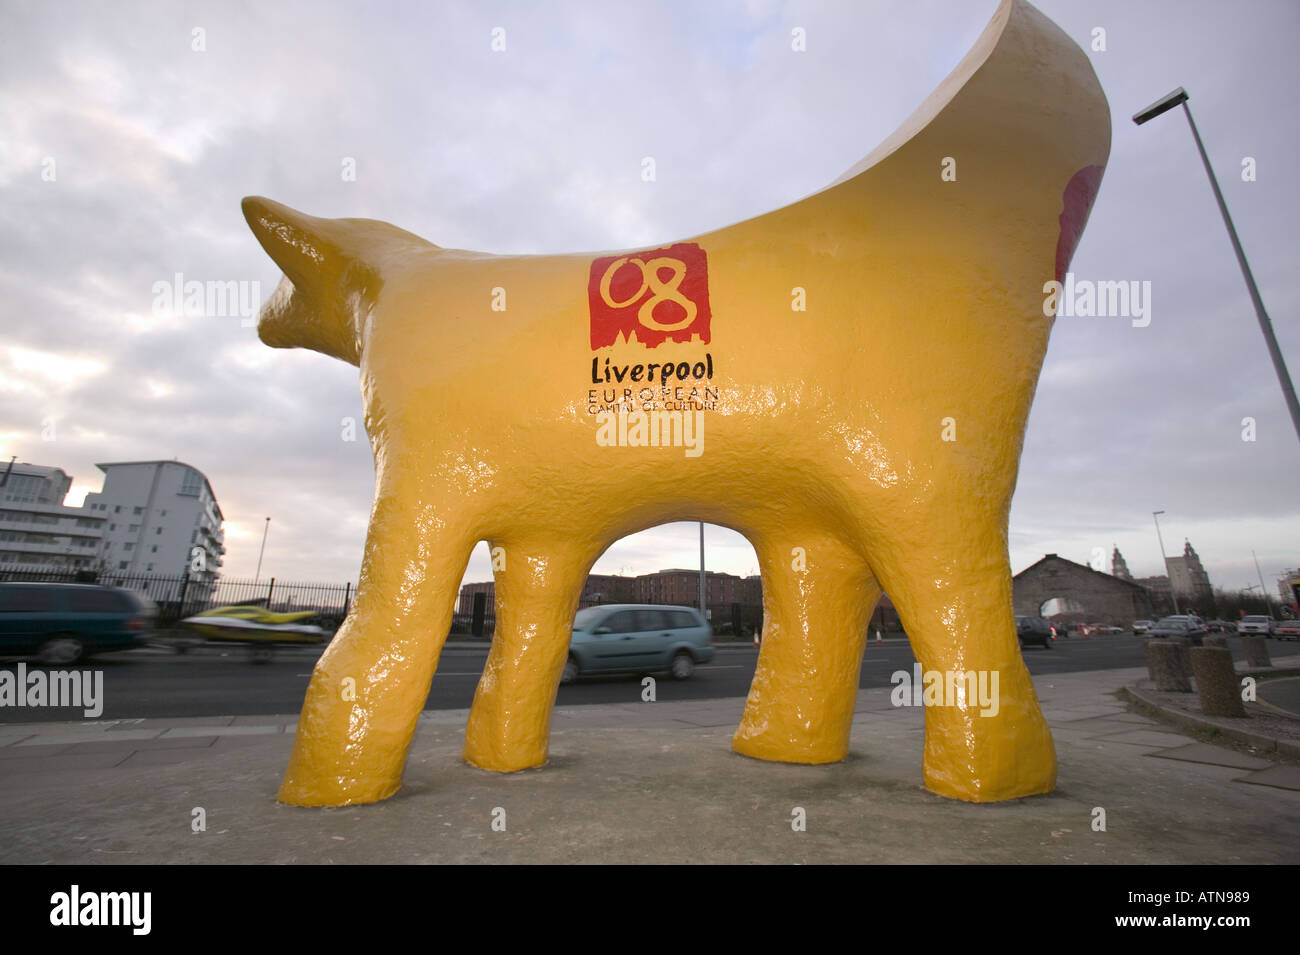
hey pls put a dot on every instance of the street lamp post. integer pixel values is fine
(1263, 591)
(1179, 97)
(265, 527)
(1155, 516)
(704, 607)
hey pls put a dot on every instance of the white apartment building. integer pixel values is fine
(160, 517)
(36, 529)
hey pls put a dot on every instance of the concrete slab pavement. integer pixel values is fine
(647, 782)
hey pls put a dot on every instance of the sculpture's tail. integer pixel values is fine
(333, 271)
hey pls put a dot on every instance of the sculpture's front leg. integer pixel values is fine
(537, 593)
(369, 687)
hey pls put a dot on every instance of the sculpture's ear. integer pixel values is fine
(333, 270)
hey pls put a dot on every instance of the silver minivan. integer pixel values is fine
(638, 638)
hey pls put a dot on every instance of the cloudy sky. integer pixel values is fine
(130, 131)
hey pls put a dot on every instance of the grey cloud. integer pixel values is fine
(539, 150)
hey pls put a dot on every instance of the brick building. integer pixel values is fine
(735, 603)
(608, 589)
(678, 586)
(467, 591)
(731, 599)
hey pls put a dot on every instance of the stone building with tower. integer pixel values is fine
(1118, 567)
(1188, 579)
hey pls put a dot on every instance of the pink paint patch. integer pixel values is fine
(1078, 199)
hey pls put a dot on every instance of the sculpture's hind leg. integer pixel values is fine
(951, 584)
(369, 687)
(818, 596)
(537, 594)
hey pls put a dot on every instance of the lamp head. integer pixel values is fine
(1162, 105)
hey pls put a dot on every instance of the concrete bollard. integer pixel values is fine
(1165, 666)
(1256, 647)
(1214, 640)
(1216, 681)
(1184, 660)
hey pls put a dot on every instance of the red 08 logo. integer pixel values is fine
(650, 297)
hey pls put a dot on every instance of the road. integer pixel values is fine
(221, 681)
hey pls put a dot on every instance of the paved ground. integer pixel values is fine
(650, 782)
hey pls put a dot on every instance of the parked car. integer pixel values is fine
(1034, 630)
(1142, 626)
(1286, 629)
(638, 638)
(1221, 626)
(1183, 625)
(1110, 628)
(1256, 624)
(64, 623)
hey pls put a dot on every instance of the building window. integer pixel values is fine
(157, 530)
(128, 547)
(154, 549)
(122, 565)
(117, 509)
(191, 484)
(139, 510)
(112, 527)
(164, 513)
(133, 528)
(149, 569)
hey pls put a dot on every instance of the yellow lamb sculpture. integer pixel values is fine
(844, 381)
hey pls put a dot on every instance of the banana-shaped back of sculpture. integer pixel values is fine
(845, 381)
